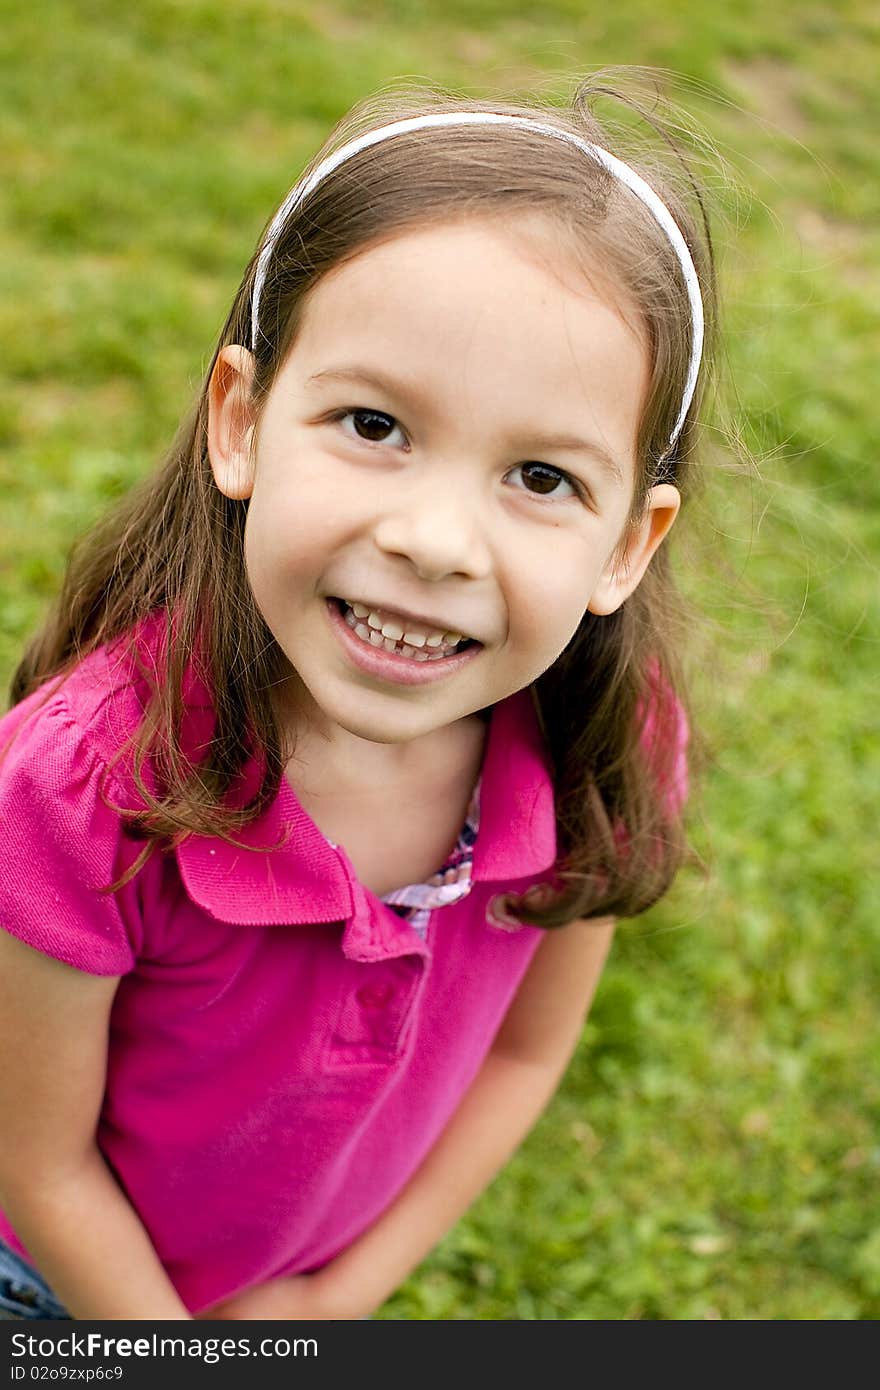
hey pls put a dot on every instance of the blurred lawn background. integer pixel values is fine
(714, 1150)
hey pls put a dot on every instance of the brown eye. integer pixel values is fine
(544, 481)
(372, 424)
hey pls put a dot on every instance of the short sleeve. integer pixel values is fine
(59, 842)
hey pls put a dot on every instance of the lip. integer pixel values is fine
(412, 619)
(388, 666)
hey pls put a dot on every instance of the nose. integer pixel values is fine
(441, 532)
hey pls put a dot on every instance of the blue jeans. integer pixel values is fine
(23, 1294)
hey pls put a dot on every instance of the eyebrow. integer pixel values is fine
(562, 443)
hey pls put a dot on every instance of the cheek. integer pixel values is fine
(547, 605)
(283, 533)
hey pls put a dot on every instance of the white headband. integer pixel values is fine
(615, 166)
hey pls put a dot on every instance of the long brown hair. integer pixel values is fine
(612, 702)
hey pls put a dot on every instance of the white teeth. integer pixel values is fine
(371, 626)
(392, 628)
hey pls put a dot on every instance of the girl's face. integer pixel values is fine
(449, 446)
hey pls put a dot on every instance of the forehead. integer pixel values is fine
(471, 263)
(488, 312)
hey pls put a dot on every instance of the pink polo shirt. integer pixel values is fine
(284, 1048)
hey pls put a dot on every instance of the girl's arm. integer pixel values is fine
(515, 1083)
(65, 1204)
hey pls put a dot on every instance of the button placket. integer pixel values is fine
(375, 995)
(385, 966)
(376, 1011)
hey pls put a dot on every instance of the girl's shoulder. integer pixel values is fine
(62, 838)
(96, 706)
(665, 734)
(86, 714)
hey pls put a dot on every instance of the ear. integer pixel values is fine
(231, 422)
(631, 558)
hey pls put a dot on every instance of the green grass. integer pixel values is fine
(714, 1149)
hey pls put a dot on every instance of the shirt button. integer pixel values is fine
(375, 996)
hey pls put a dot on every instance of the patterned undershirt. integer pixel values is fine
(416, 901)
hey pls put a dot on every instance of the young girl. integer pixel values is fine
(354, 730)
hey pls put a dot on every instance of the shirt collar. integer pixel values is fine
(304, 879)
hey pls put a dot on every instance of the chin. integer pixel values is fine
(382, 731)
(357, 715)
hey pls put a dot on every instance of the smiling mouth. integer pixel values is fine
(389, 633)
